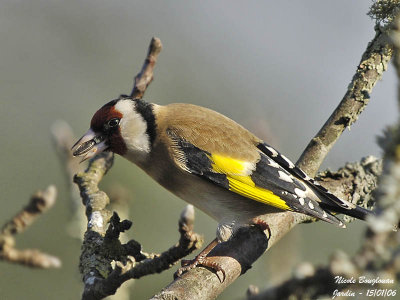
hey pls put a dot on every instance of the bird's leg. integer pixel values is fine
(203, 260)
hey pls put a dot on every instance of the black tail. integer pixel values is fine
(357, 212)
(329, 201)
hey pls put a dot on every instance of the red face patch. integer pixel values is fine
(104, 114)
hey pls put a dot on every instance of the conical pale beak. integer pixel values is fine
(90, 144)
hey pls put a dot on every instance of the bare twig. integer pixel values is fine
(39, 204)
(145, 76)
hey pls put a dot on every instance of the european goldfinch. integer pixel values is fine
(209, 161)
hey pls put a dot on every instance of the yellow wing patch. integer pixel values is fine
(256, 193)
(238, 174)
(227, 165)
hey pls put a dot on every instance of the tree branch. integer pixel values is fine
(373, 63)
(355, 181)
(235, 259)
(105, 263)
(380, 252)
(38, 204)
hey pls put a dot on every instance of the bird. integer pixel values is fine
(212, 162)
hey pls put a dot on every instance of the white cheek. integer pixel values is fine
(133, 127)
(133, 131)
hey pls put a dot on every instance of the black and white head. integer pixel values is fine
(124, 126)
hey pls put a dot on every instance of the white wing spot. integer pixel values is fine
(285, 177)
(301, 200)
(300, 193)
(273, 164)
(291, 165)
(273, 151)
(311, 205)
(248, 168)
(324, 214)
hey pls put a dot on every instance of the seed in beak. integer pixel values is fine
(84, 148)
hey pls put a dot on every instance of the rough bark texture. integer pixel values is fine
(236, 256)
(105, 263)
(355, 182)
(373, 64)
(379, 254)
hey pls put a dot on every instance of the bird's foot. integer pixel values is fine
(202, 259)
(210, 262)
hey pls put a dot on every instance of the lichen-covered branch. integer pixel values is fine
(236, 256)
(379, 254)
(376, 260)
(63, 138)
(39, 203)
(138, 264)
(321, 281)
(356, 181)
(202, 282)
(384, 11)
(105, 262)
(373, 63)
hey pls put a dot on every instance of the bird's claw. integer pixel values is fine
(210, 262)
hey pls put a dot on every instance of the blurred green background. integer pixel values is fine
(277, 67)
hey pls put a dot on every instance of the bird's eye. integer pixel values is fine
(113, 123)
